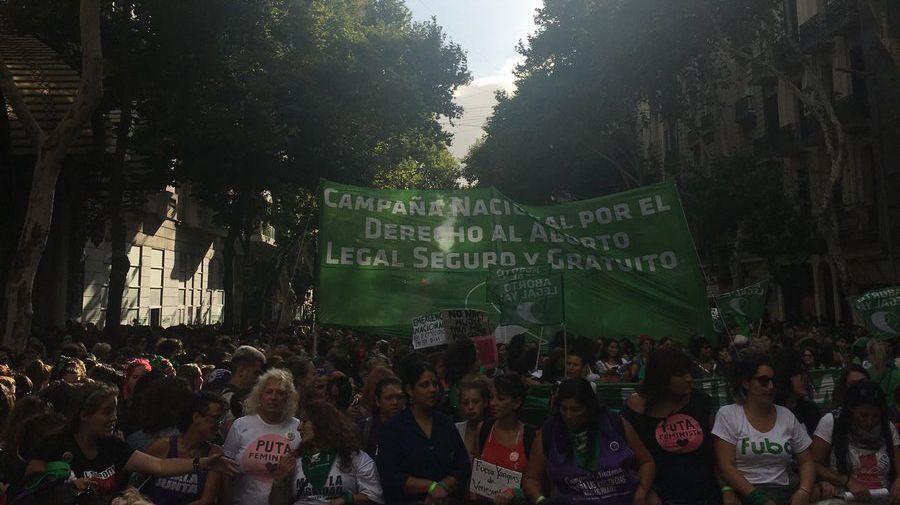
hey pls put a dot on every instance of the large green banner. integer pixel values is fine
(628, 261)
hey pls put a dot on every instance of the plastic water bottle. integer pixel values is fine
(880, 494)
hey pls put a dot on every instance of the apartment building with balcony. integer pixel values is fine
(758, 114)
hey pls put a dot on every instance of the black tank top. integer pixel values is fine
(681, 444)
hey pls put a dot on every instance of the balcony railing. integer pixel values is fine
(841, 14)
(784, 55)
(814, 33)
(808, 131)
(745, 111)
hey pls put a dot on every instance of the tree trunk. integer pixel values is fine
(735, 266)
(228, 278)
(246, 265)
(883, 29)
(118, 233)
(51, 149)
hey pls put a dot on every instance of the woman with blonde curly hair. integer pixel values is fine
(259, 439)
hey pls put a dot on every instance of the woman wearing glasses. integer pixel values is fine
(756, 441)
(200, 426)
(857, 449)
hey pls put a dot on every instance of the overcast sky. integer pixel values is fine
(488, 31)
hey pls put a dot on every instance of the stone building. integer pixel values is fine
(759, 115)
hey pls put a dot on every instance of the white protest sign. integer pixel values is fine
(464, 323)
(428, 331)
(489, 480)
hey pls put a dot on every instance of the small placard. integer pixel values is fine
(464, 323)
(428, 331)
(489, 480)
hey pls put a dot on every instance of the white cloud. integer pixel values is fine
(477, 100)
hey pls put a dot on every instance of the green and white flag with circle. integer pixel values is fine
(527, 296)
(743, 305)
(880, 310)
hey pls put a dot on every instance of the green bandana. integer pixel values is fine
(56, 470)
(579, 443)
(316, 467)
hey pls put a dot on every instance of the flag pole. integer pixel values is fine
(565, 349)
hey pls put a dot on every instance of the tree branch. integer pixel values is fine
(90, 89)
(23, 112)
(890, 41)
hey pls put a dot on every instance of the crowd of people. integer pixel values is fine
(191, 416)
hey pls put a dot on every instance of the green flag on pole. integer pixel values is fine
(743, 305)
(880, 310)
(627, 260)
(527, 296)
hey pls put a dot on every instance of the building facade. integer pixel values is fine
(760, 115)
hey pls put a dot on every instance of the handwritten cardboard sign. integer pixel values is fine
(428, 331)
(489, 480)
(464, 323)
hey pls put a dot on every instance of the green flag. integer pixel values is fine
(880, 309)
(743, 305)
(627, 260)
(527, 296)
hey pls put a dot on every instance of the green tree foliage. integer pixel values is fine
(739, 207)
(244, 98)
(592, 71)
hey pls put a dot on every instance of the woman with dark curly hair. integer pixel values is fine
(332, 467)
(757, 441)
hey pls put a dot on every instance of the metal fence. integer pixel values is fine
(537, 404)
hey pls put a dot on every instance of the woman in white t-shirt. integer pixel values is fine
(258, 440)
(756, 442)
(857, 449)
(329, 467)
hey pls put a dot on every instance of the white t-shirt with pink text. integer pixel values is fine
(257, 447)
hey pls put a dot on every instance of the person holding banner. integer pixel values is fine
(756, 441)
(675, 422)
(506, 441)
(588, 454)
(421, 457)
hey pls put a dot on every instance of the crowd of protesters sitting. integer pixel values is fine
(192, 416)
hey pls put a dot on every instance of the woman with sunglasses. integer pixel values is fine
(588, 455)
(200, 426)
(857, 449)
(329, 467)
(96, 458)
(756, 441)
(675, 421)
